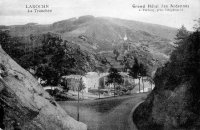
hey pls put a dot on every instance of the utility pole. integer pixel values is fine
(114, 89)
(78, 99)
(139, 84)
(143, 83)
(78, 107)
(99, 92)
(124, 81)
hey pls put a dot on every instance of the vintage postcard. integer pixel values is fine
(99, 64)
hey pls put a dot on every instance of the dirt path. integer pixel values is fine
(105, 114)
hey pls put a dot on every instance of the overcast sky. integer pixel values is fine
(13, 12)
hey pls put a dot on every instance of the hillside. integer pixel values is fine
(101, 35)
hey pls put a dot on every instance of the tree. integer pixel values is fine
(81, 85)
(142, 73)
(115, 51)
(114, 78)
(197, 25)
(63, 82)
(5, 40)
(135, 70)
(48, 73)
(150, 80)
(125, 63)
(181, 35)
(11, 45)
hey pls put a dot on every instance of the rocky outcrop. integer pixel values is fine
(167, 110)
(169, 106)
(25, 105)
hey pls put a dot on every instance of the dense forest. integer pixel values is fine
(49, 57)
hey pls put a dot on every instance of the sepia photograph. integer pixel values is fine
(99, 65)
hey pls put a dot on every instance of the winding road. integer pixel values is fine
(105, 114)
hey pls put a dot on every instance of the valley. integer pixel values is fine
(105, 65)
